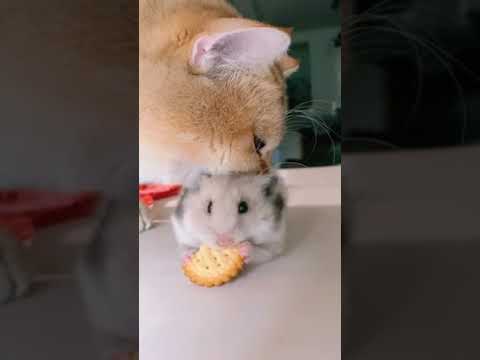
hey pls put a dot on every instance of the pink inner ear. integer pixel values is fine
(200, 49)
(245, 47)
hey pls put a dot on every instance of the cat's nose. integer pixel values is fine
(265, 163)
(224, 240)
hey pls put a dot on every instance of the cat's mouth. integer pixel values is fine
(264, 167)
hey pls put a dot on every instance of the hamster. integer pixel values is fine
(244, 210)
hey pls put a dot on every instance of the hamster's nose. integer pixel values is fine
(224, 240)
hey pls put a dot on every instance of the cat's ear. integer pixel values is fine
(248, 47)
(288, 65)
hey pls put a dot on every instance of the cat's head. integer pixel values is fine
(216, 97)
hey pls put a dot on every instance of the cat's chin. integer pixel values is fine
(170, 172)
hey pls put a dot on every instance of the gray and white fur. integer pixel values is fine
(248, 209)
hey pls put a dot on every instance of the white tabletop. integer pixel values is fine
(288, 308)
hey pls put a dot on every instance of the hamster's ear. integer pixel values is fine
(244, 47)
(270, 185)
(205, 175)
(195, 182)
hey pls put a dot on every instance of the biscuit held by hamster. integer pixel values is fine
(213, 266)
(238, 210)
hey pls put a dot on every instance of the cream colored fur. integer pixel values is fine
(191, 121)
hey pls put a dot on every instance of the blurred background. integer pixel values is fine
(313, 121)
(411, 74)
(411, 101)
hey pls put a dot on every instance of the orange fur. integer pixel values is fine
(207, 121)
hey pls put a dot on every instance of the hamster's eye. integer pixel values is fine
(242, 207)
(259, 144)
(209, 207)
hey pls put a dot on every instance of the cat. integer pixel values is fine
(211, 89)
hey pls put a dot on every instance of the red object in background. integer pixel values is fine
(148, 193)
(22, 211)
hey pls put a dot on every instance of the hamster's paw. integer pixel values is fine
(245, 248)
(187, 256)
